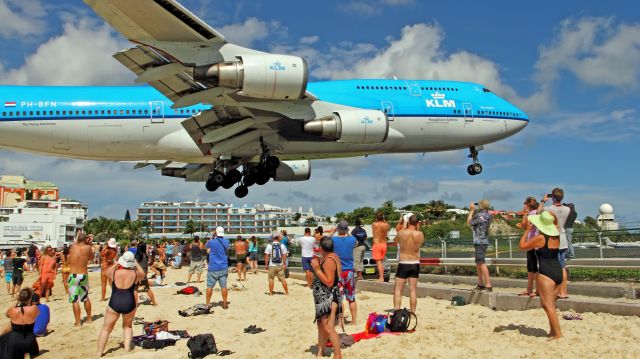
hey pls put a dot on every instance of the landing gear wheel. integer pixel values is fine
(217, 177)
(241, 191)
(470, 170)
(234, 176)
(272, 162)
(263, 177)
(211, 186)
(249, 179)
(477, 168)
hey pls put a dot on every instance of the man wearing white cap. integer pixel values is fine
(218, 269)
(108, 256)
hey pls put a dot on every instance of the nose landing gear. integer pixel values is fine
(475, 168)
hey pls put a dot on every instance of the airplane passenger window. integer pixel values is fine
(128, 112)
(4, 114)
(10, 113)
(30, 113)
(146, 112)
(84, 112)
(122, 112)
(37, 113)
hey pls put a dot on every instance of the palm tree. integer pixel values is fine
(190, 227)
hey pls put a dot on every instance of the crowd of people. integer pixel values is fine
(547, 241)
(332, 264)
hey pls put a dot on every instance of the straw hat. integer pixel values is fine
(544, 223)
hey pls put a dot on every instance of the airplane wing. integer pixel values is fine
(190, 63)
(191, 172)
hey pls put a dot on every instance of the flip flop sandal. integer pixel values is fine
(223, 353)
(249, 328)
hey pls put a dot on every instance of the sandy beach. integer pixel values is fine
(443, 331)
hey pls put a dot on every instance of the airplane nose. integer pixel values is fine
(515, 126)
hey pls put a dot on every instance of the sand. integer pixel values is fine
(443, 331)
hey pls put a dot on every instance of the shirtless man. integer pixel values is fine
(410, 241)
(379, 250)
(80, 255)
(108, 257)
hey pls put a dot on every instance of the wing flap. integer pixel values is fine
(154, 20)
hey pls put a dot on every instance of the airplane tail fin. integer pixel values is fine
(609, 243)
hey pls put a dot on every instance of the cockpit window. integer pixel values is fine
(486, 90)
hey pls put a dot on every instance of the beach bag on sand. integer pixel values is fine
(188, 290)
(457, 301)
(151, 328)
(401, 319)
(201, 345)
(157, 343)
(376, 323)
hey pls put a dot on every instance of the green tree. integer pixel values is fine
(310, 222)
(127, 216)
(296, 217)
(190, 228)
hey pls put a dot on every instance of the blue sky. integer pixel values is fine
(574, 66)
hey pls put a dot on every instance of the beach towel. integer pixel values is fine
(364, 335)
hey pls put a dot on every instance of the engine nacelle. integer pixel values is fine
(352, 126)
(290, 171)
(280, 77)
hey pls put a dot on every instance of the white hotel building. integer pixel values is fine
(41, 222)
(168, 219)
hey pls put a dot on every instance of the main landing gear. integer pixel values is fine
(475, 168)
(258, 174)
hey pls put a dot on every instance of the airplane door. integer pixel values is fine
(156, 111)
(467, 109)
(387, 108)
(414, 88)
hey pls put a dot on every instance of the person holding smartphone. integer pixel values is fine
(480, 222)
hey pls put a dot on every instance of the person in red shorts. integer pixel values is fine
(379, 250)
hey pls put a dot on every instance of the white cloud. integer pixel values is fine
(81, 55)
(21, 18)
(598, 51)
(595, 126)
(250, 31)
(371, 7)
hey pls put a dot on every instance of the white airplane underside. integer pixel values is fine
(218, 108)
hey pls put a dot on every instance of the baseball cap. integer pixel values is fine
(220, 232)
(111, 243)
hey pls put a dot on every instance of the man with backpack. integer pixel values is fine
(275, 258)
(218, 269)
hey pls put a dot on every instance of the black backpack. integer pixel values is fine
(400, 320)
(201, 345)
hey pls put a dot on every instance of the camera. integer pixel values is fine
(476, 204)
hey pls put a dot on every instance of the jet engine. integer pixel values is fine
(290, 171)
(279, 77)
(352, 126)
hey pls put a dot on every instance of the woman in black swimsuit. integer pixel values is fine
(126, 273)
(549, 277)
(21, 341)
(326, 296)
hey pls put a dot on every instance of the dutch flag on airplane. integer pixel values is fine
(9, 104)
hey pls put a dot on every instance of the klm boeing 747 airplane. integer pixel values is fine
(230, 116)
